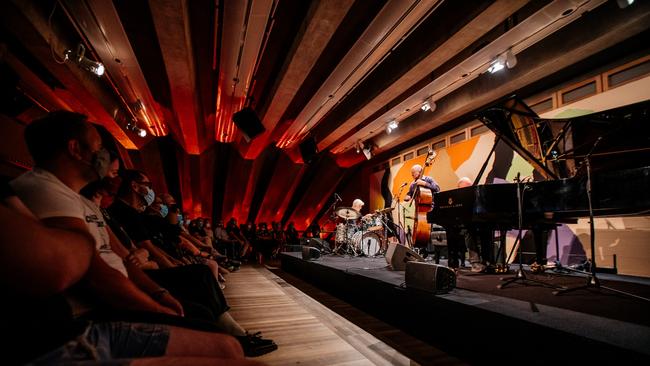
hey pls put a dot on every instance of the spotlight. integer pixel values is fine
(624, 3)
(133, 127)
(496, 66)
(393, 124)
(428, 105)
(367, 151)
(511, 59)
(85, 63)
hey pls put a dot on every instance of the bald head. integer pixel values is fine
(464, 182)
(416, 171)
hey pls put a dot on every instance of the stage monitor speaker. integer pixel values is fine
(397, 255)
(318, 243)
(310, 253)
(308, 149)
(430, 277)
(248, 123)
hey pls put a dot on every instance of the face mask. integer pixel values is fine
(100, 162)
(149, 197)
(187, 222)
(180, 218)
(164, 210)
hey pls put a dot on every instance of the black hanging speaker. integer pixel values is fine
(248, 123)
(429, 277)
(308, 149)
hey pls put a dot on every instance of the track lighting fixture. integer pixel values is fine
(428, 105)
(133, 127)
(511, 59)
(79, 57)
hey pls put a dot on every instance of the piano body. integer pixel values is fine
(617, 142)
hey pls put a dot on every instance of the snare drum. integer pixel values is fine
(368, 243)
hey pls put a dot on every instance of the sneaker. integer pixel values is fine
(254, 345)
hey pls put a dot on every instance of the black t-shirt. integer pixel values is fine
(131, 220)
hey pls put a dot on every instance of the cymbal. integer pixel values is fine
(348, 213)
(385, 210)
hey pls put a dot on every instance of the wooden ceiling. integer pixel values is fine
(337, 71)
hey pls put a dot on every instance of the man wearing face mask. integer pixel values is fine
(68, 154)
(133, 197)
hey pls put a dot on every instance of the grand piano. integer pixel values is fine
(613, 146)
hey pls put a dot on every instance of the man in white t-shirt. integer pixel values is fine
(68, 154)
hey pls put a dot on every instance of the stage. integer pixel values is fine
(479, 323)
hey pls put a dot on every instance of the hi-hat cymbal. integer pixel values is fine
(348, 213)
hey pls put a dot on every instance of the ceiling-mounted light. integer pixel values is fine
(359, 146)
(393, 124)
(624, 3)
(496, 66)
(133, 127)
(367, 150)
(428, 105)
(511, 59)
(85, 63)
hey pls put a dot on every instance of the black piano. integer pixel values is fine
(614, 145)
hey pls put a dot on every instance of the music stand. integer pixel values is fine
(592, 279)
(520, 275)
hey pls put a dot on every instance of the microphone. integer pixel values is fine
(337, 197)
(404, 185)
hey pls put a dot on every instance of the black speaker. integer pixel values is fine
(310, 253)
(308, 149)
(397, 255)
(430, 277)
(248, 123)
(318, 243)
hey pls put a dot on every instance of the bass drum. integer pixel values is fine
(368, 243)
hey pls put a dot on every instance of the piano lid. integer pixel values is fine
(613, 139)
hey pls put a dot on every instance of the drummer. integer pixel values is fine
(357, 205)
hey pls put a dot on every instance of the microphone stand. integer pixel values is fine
(520, 275)
(592, 279)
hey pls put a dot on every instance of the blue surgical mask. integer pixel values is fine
(164, 210)
(180, 218)
(149, 197)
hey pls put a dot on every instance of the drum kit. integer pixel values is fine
(361, 236)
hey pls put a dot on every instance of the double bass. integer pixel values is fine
(423, 198)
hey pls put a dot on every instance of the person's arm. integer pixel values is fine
(163, 259)
(432, 185)
(409, 195)
(144, 282)
(107, 283)
(38, 260)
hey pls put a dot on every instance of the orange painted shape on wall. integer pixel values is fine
(461, 152)
(403, 175)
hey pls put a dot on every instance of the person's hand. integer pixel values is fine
(169, 301)
(421, 183)
(134, 260)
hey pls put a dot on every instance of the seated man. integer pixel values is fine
(68, 154)
(38, 263)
